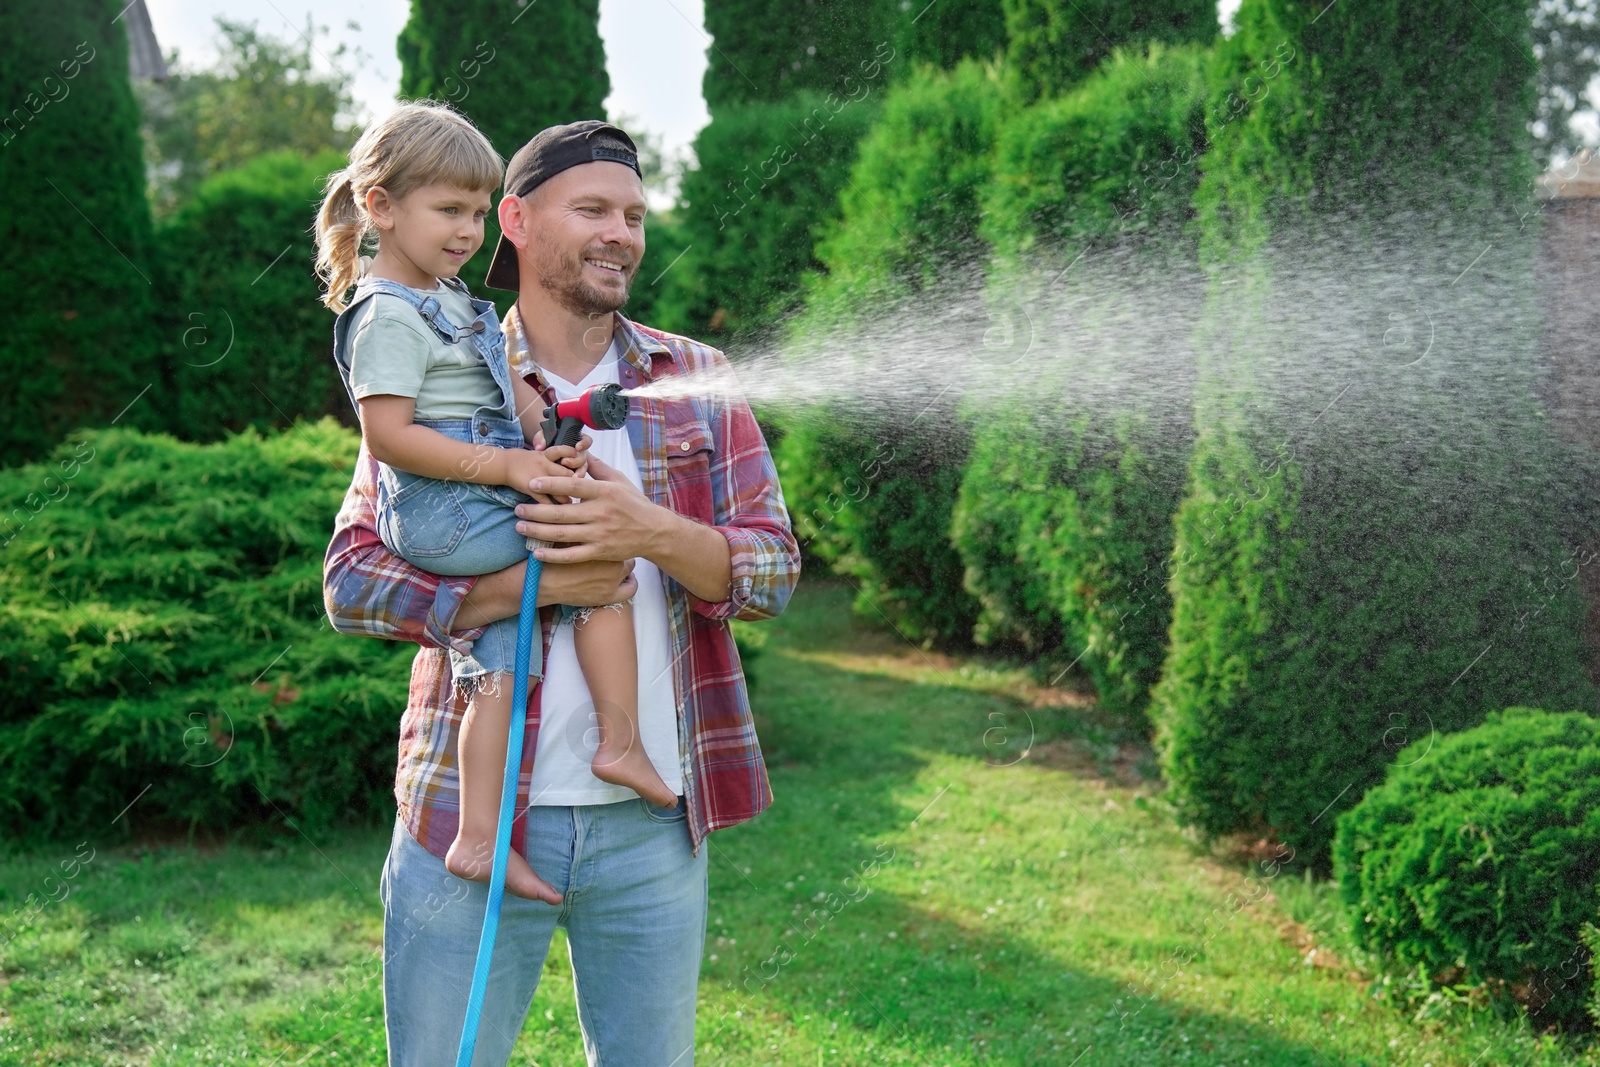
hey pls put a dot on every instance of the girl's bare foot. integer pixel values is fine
(474, 860)
(621, 760)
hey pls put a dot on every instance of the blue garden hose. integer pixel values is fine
(604, 408)
(508, 805)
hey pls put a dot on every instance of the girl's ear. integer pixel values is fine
(380, 207)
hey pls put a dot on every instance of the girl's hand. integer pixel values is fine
(524, 465)
(573, 459)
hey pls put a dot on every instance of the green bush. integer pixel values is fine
(875, 507)
(1064, 516)
(1064, 524)
(767, 174)
(1054, 44)
(1363, 524)
(1478, 856)
(255, 341)
(163, 626)
(79, 347)
(1109, 161)
(886, 484)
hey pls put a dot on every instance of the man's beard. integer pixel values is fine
(564, 281)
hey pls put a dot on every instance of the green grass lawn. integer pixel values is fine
(961, 867)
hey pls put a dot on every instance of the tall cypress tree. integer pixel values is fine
(768, 50)
(512, 75)
(78, 346)
(1368, 547)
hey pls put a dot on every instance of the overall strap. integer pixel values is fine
(429, 308)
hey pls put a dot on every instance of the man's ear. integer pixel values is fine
(380, 207)
(514, 220)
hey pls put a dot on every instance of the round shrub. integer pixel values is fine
(1478, 856)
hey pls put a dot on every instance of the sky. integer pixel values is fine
(655, 51)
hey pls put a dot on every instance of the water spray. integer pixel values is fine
(601, 408)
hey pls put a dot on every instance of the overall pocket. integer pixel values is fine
(422, 517)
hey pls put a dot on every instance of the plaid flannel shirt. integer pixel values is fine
(706, 460)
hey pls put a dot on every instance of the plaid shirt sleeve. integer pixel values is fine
(366, 589)
(748, 502)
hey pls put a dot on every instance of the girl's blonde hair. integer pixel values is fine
(416, 144)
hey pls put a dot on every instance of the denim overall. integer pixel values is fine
(455, 527)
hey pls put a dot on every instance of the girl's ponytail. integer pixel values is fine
(341, 224)
(416, 144)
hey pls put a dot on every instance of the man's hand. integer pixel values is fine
(613, 520)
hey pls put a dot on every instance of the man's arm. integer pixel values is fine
(369, 590)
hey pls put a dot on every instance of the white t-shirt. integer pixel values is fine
(568, 730)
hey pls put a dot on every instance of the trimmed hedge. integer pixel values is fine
(255, 343)
(1363, 515)
(1054, 44)
(1478, 857)
(1064, 517)
(908, 219)
(163, 626)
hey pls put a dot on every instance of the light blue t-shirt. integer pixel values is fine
(392, 351)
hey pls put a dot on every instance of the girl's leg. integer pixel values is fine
(482, 765)
(610, 664)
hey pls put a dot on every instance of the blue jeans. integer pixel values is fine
(634, 908)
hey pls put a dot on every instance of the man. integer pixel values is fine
(682, 511)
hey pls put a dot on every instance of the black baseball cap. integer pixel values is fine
(553, 150)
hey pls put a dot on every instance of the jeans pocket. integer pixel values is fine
(425, 518)
(664, 815)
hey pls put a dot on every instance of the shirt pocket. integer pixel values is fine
(690, 450)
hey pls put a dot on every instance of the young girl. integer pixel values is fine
(425, 365)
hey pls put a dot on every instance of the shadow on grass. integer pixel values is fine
(829, 948)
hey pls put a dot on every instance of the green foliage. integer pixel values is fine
(1106, 163)
(767, 174)
(875, 505)
(255, 341)
(909, 216)
(1064, 515)
(512, 74)
(163, 626)
(78, 348)
(1566, 40)
(1478, 857)
(910, 209)
(944, 34)
(262, 95)
(1357, 548)
(765, 51)
(1054, 44)
(1063, 524)
(1324, 119)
